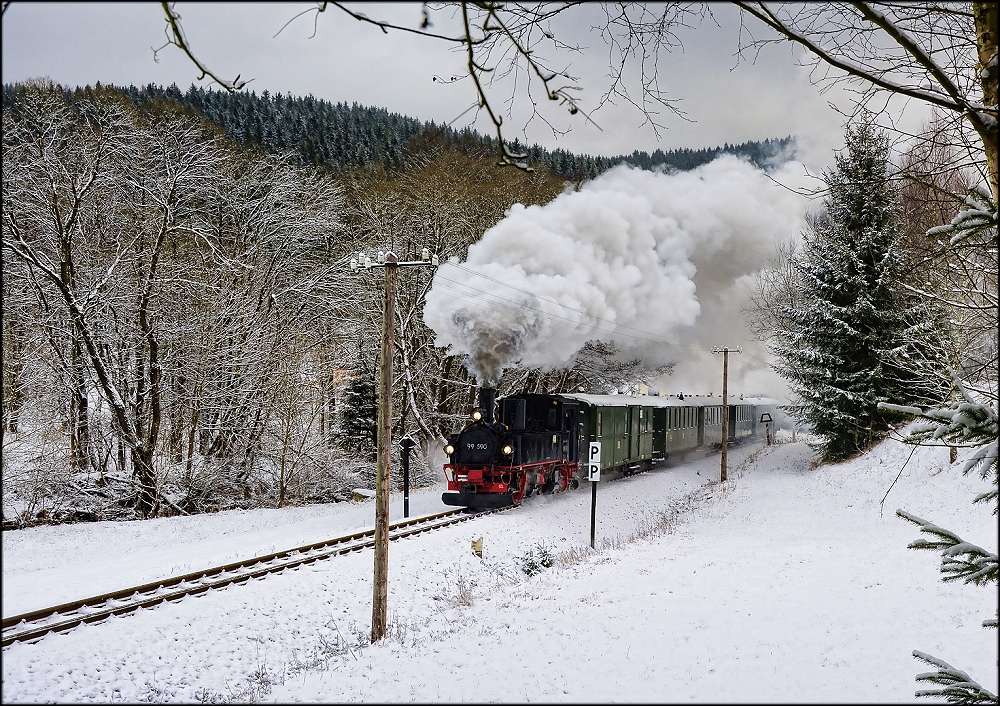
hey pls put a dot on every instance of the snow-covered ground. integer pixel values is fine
(785, 584)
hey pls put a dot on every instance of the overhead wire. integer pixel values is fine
(655, 338)
(647, 337)
(617, 326)
(558, 303)
(517, 306)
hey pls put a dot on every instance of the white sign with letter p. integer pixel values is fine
(594, 461)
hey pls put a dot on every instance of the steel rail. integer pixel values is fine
(38, 623)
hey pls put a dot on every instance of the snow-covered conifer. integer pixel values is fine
(358, 424)
(845, 331)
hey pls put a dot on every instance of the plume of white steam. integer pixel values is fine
(617, 261)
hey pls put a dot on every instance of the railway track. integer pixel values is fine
(36, 624)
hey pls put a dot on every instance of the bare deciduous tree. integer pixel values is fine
(170, 274)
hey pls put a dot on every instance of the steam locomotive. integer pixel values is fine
(533, 445)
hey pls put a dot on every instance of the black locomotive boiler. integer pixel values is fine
(532, 448)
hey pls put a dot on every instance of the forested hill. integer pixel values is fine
(342, 136)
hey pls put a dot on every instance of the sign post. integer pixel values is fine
(766, 419)
(407, 444)
(593, 475)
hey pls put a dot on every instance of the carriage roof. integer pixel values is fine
(661, 400)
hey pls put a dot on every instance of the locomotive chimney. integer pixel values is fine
(487, 400)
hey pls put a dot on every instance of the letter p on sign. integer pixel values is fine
(594, 461)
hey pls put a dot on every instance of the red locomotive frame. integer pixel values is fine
(495, 478)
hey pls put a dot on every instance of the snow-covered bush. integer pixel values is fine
(535, 559)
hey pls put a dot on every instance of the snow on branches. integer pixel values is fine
(959, 687)
(966, 422)
(959, 559)
(978, 218)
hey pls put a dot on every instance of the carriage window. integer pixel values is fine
(599, 424)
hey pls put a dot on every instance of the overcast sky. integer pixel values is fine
(77, 44)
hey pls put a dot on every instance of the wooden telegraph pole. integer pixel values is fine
(725, 406)
(380, 591)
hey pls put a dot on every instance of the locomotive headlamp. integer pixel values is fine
(507, 449)
(477, 415)
(449, 449)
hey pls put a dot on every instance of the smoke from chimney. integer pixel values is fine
(634, 257)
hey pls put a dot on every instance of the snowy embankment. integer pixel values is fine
(786, 584)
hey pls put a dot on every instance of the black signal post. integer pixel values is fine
(593, 511)
(593, 475)
(406, 443)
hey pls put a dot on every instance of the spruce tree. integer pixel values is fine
(357, 428)
(846, 329)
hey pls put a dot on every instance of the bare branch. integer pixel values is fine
(176, 37)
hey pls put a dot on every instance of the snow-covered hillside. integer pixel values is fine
(788, 583)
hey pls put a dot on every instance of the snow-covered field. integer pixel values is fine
(785, 584)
